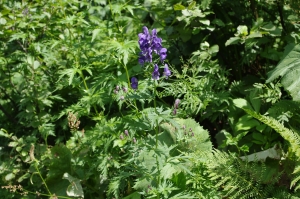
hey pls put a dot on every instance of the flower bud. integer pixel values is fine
(126, 132)
(125, 89)
(176, 104)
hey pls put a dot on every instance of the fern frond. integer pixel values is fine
(236, 177)
(296, 179)
(290, 136)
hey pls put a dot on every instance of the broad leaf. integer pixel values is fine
(289, 70)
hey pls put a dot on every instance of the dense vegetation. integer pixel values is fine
(150, 99)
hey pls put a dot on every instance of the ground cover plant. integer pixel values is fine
(149, 99)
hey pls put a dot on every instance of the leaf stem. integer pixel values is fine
(37, 168)
(156, 135)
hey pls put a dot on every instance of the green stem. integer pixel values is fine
(37, 168)
(127, 74)
(156, 136)
(87, 88)
(128, 80)
(42, 194)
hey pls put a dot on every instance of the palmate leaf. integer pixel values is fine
(289, 70)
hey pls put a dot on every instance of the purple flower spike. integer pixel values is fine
(155, 74)
(167, 72)
(134, 83)
(150, 43)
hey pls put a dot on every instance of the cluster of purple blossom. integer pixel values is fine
(150, 43)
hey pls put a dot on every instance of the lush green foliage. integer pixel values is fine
(224, 124)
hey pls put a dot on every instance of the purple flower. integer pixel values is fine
(150, 43)
(155, 74)
(121, 137)
(134, 83)
(163, 54)
(176, 104)
(167, 72)
(122, 97)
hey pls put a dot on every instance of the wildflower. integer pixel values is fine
(134, 140)
(134, 83)
(150, 43)
(122, 97)
(167, 72)
(121, 137)
(163, 54)
(117, 88)
(155, 74)
(126, 132)
(176, 104)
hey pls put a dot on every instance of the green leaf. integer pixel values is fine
(2, 21)
(242, 103)
(254, 35)
(95, 33)
(134, 195)
(246, 123)
(178, 7)
(75, 188)
(13, 144)
(232, 40)
(205, 21)
(120, 143)
(259, 137)
(9, 176)
(2, 133)
(192, 5)
(289, 70)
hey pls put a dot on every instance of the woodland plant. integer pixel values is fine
(149, 99)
